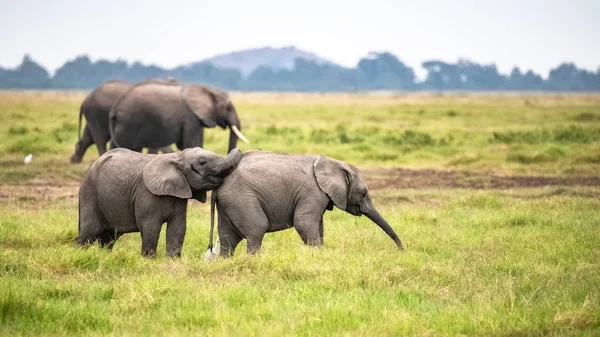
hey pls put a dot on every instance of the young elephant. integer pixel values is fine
(125, 191)
(269, 192)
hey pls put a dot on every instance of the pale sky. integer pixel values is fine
(532, 34)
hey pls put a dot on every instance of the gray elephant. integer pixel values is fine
(126, 191)
(96, 107)
(155, 114)
(269, 192)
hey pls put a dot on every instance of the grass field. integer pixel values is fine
(495, 197)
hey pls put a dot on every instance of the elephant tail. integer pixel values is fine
(209, 255)
(213, 202)
(112, 118)
(79, 129)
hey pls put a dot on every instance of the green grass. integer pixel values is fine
(484, 263)
(517, 262)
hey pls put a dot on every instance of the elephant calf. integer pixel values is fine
(268, 192)
(125, 191)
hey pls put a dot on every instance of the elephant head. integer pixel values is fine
(347, 189)
(189, 173)
(214, 107)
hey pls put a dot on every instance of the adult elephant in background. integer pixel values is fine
(155, 114)
(96, 108)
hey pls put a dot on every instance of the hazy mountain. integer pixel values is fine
(276, 58)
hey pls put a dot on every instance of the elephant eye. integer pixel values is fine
(194, 169)
(202, 162)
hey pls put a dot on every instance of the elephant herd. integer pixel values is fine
(154, 114)
(255, 192)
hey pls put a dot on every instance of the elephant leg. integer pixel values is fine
(108, 238)
(90, 225)
(101, 145)
(256, 224)
(100, 138)
(321, 231)
(82, 146)
(254, 244)
(309, 224)
(150, 240)
(229, 238)
(176, 228)
(149, 225)
(192, 137)
(88, 234)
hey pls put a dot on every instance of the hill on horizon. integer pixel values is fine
(249, 59)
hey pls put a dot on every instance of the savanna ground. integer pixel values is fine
(495, 197)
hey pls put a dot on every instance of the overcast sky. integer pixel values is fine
(536, 34)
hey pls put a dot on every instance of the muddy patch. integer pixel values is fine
(39, 190)
(399, 178)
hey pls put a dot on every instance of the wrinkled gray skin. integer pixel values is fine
(96, 108)
(268, 192)
(126, 191)
(155, 114)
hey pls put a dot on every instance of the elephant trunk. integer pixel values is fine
(374, 216)
(229, 163)
(233, 138)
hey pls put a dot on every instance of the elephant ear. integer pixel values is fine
(162, 176)
(333, 179)
(202, 102)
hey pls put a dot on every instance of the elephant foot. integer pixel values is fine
(76, 160)
(149, 254)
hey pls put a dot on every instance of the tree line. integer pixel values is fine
(377, 71)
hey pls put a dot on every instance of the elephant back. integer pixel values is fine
(108, 93)
(149, 114)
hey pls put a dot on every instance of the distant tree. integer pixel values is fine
(262, 78)
(567, 77)
(28, 75)
(385, 71)
(532, 81)
(441, 76)
(516, 80)
(138, 72)
(310, 75)
(377, 71)
(83, 74)
(208, 74)
(474, 76)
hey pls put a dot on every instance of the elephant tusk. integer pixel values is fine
(239, 134)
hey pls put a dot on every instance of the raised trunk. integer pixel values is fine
(229, 163)
(374, 216)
